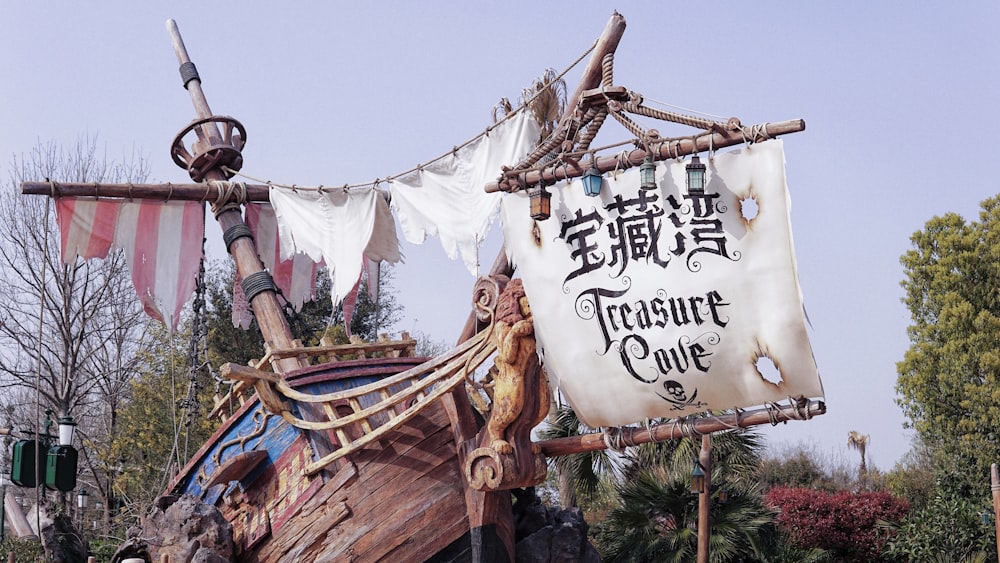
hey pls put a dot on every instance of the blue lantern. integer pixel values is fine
(647, 174)
(592, 181)
(695, 176)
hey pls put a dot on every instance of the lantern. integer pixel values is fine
(695, 176)
(67, 426)
(60, 468)
(81, 498)
(647, 174)
(541, 205)
(592, 181)
(698, 479)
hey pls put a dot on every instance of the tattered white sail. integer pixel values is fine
(161, 242)
(446, 199)
(661, 303)
(340, 227)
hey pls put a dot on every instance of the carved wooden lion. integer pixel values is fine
(519, 379)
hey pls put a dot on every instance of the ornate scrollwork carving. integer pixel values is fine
(486, 296)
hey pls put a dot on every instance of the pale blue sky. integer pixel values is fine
(893, 94)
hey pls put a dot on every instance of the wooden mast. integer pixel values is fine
(273, 325)
(267, 311)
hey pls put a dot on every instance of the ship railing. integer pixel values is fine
(327, 351)
(365, 414)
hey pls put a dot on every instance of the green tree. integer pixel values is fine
(948, 528)
(656, 521)
(655, 514)
(162, 424)
(948, 379)
(578, 475)
(913, 477)
(316, 318)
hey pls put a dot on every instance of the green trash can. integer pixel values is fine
(27, 456)
(60, 468)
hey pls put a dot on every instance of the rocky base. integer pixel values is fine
(62, 541)
(550, 535)
(183, 528)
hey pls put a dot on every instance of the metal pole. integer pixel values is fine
(705, 499)
(3, 509)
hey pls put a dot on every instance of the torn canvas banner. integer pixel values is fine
(295, 276)
(662, 303)
(161, 241)
(446, 198)
(339, 227)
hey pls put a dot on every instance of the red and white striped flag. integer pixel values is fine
(162, 242)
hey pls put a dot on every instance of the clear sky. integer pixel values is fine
(334, 92)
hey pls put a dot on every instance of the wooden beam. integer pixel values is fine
(203, 191)
(689, 427)
(667, 150)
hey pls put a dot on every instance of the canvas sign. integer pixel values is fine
(652, 303)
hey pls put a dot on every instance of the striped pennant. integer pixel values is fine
(161, 240)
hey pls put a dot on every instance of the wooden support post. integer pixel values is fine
(668, 150)
(995, 489)
(705, 500)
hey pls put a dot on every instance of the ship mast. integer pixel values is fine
(206, 160)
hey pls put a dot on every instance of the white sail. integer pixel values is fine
(660, 303)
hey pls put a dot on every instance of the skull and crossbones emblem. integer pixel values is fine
(677, 396)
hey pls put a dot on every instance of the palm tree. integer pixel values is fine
(579, 474)
(656, 521)
(736, 455)
(859, 441)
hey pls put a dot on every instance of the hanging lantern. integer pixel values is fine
(698, 479)
(647, 174)
(592, 181)
(541, 205)
(81, 498)
(723, 496)
(67, 426)
(695, 176)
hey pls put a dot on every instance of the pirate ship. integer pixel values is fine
(364, 452)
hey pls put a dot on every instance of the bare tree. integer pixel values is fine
(68, 332)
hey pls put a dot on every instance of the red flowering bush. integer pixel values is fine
(844, 523)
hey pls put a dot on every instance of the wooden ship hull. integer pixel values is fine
(399, 499)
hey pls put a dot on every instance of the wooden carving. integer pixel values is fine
(506, 457)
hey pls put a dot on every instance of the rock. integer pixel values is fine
(188, 530)
(535, 548)
(62, 542)
(551, 535)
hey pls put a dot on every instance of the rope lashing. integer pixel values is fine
(188, 73)
(608, 70)
(755, 133)
(257, 283)
(699, 122)
(237, 231)
(232, 195)
(613, 439)
(593, 125)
